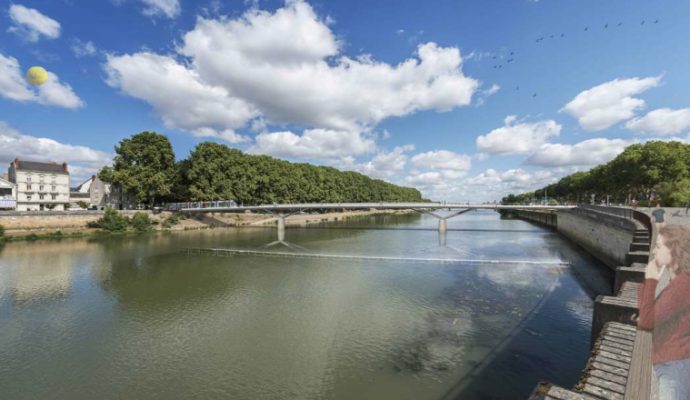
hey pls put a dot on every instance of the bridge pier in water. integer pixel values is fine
(281, 227)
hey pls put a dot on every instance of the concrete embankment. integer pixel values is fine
(619, 366)
(24, 223)
(606, 237)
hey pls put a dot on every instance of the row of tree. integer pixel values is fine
(145, 167)
(655, 170)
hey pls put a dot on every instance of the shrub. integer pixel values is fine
(172, 220)
(111, 221)
(82, 204)
(2, 233)
(141, 222)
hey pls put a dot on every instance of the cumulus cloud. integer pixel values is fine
(315, 144)
(442, 160)
(586, 153)
(436, 173)
(161, 8)
(385, 164)
(609, 103)
(83, 161)
(52, 93)
(30, 24)
(177, 94)
(287, 68)
(662, 122)
(517, 138)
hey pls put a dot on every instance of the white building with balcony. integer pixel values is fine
(8, 195)
(40, 185)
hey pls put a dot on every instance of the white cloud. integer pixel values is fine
(436, 173)
(587, 153)
(609, 103)
(662, 122)
(83, 49)
(52, 93)
(521, 138)
(315, 144)
(30, 24)
(83, 161)
(162, 8)
(442, 160)
(485, 94)
(385, 164)
(286, 67)
(178, 94)
(493, 185)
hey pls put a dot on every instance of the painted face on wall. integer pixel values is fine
(662, 254)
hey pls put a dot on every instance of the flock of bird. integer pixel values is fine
(510, 57)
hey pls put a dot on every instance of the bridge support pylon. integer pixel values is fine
(281, 228)
(443, 225)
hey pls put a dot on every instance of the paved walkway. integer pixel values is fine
(674, 215)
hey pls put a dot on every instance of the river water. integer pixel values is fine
(137, 317)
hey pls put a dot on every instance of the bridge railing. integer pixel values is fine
(200, 204)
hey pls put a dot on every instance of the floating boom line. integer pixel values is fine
(231, 252)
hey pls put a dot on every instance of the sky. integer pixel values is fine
(464, 100)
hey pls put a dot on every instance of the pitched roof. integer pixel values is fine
(40, 167)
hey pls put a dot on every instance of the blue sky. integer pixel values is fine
(465, 100)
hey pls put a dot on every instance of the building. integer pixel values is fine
(8, 195)
(119, 199)
(94, 192)
(40, 185)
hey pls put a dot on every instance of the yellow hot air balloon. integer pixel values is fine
(37, 76)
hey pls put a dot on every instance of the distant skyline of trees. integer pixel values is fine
(655, 170)
(145, 166)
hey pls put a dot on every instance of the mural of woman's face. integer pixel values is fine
(662, 254)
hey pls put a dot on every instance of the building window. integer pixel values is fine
(40, 177)
(54, 196)
(28, 198)
(40, 197)
(53, 188)
(28, 178)
(28, 186)
(40, 187)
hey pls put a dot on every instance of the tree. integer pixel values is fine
(144, 165)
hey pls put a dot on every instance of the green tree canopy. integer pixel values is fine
(144, 165)
(658, 167)
(216, 172)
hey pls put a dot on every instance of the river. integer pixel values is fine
(137, 317)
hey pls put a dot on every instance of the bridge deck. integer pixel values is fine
(209, 207)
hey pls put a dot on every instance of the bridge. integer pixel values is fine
(282, 211)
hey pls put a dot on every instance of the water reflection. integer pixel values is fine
(137, 317)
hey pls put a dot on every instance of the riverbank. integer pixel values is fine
(52, 225)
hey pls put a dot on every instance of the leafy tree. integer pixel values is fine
(144, 165)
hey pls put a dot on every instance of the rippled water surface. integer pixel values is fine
(137, 317)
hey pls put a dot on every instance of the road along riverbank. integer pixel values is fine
(75, 222)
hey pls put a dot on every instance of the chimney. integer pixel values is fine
(64, 166)
(16, 162)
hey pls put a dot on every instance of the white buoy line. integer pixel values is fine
(221, 251)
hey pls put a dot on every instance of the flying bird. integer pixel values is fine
(586, 28)
(619, 24)
(642, 23)
(534, 95)
(606, 26)
(656, 21)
